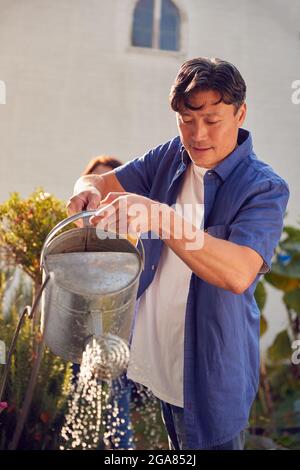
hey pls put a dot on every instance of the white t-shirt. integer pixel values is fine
(157, 348)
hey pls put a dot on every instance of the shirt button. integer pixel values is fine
(153, 267)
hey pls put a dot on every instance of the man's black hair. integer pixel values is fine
(203, 74)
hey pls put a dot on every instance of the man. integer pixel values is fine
(196, 335)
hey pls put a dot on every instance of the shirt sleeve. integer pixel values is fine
(137, 175)
(259, 222)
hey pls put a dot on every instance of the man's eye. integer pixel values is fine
(186, 121)
(212, 122)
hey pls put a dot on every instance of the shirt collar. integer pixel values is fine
(226, 166)
(244, 148)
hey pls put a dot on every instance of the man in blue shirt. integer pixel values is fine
(244, 205)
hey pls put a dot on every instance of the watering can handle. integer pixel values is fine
(73, 218)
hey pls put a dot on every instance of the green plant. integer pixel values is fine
(24, 225)
(49, 400)
(285, 276)
(279, 388)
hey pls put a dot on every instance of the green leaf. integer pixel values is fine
(281, 347)
(292, 300)
(260, 295)
(290, 246)
(263, 325)
(283, 283)
(291, 270)
(292, 232)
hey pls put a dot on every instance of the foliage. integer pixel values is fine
(261, 298)
(50, 394)
(274, 411)
(285, 276)
(281, 347)
(24, 225)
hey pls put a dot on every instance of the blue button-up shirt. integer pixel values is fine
(244, 202)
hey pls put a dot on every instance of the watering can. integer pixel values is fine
(93, 293)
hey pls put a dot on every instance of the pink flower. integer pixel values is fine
(3, 405)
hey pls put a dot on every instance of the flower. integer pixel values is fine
(43, 195)
(3, 405)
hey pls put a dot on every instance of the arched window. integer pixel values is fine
(156, 24)
(142, 30)
(169, 26)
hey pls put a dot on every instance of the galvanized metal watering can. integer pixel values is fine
(93, 294)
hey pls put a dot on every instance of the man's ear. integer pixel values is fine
(242, 112)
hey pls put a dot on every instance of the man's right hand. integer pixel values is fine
(90, 189)
(85, 197)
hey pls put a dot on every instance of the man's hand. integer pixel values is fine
(90, 189)
(127, 213)
(84, 200)
(86, 195)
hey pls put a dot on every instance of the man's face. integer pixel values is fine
(209, 133)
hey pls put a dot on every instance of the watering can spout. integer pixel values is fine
(97, 326)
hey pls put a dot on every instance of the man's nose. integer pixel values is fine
(200, 132)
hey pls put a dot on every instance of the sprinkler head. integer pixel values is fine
(109, 356)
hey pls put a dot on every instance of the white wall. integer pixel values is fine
(74, 91)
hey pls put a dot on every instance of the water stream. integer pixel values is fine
(95, 418)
